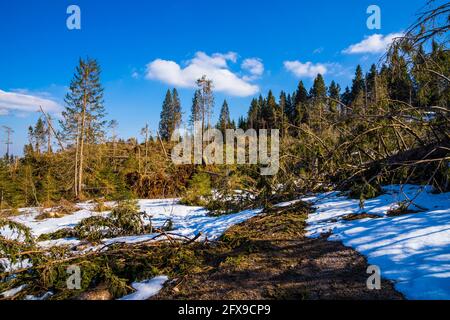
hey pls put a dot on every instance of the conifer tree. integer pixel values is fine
(196, 108)
(82, 121)
(334, 92)
(165, 122)
(176, 111)
(243, 123)
(39, 135)
(253, 115)
(299, 112)
(400, 84)
(269, 111)
(282, 118)
(346, 99)
(318, 95)
(224, 118)
(371, 82)
(207, 101)
(318, 91)
(357, 85)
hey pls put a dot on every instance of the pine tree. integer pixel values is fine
(196, 108)
(176, 110)
(39, 135)
(318, 91)
(357, 84)
(346, 98)
(243, 123)
(318, 95)
(334, 93)
(371, 82)
(224, 118)
(269, 111)
(165, 122)
(289, 109)
(253, 115)
(400, 84)
(170, 115)
(82, 121)
(282, 116)
(299, 112)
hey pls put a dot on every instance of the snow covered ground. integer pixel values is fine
(187, 221)
(412, 250)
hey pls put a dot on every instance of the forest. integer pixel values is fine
(390, 127)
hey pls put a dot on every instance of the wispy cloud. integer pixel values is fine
(254, 66)
(318, 50)
(373, 44)
(215, 67)
(307, 69)
(22, 102)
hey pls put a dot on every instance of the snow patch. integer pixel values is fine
(146, 289)
(11, 293)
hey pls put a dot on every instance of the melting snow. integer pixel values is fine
(146, 289)
(187, 221)
(412, 250)
(11, 293)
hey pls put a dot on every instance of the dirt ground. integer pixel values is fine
(268, 257)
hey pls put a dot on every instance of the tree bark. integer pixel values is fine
(82, 135)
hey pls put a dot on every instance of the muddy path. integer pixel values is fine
(269, 257)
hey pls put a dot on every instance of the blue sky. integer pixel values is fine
(146, 47)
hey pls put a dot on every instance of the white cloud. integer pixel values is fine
(22, 102)
(376, 43)
(254, 66)
(307, 69)
(215, 67)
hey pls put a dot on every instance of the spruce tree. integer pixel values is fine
(253, 115)
(400, 84)
(283, 104)
(346, 98)
(318, 91)
(196, 108)
(299, 112)
(165, 122)
(224, 118)
(334, 92)
(357, 84)
(371, 82)
(318, 95)
(270, 111)
(176, 111)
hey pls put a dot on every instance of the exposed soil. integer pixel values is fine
(353, 216)
(268, 257)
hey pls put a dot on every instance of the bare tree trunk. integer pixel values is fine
(82, 136)
(53, 130)
(49, 137)
(76, 158)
